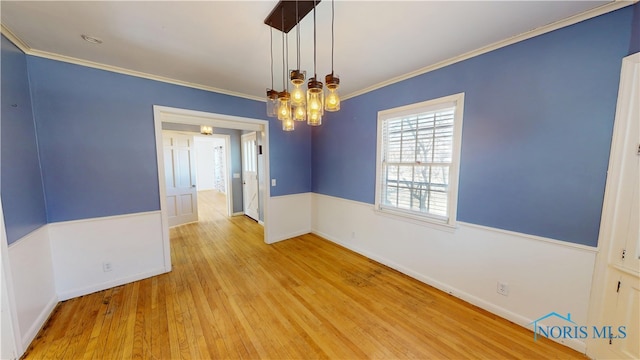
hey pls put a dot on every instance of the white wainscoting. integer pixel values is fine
(132, 244)
(289, 216)
(34, 289)
(543, 275)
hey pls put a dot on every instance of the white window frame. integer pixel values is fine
(452, 196)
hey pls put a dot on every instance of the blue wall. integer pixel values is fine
(21, 180)
(634, 45)
(536, 137)
(97, 146)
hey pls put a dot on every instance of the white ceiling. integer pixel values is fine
(225, 44)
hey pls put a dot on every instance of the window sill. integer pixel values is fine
(417, 220)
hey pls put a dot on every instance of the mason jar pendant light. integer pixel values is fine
(315, 94)
(299, 105)
(297, 77)
(288, 125)
(272, 95)
(332, 102)
(284, 98)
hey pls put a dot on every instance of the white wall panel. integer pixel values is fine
(543, 275)
(289, 216)
(131, 244)
(34, 288)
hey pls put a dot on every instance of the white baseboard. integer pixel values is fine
(132, 244)
(33, 282)
(288, 216)
(544, 275)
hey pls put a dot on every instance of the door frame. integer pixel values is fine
(630, 69)
(192, 117)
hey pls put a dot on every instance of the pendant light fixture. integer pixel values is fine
(206, 130)
(272, 95)
(297, 77)
(315, 94)
(284, 98)
(298, 105)
(332, 102)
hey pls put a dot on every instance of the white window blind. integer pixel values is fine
(416, 157)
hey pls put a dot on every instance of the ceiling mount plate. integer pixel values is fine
(288, 9)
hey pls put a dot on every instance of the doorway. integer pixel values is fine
(214, 170)
(250, 175)
(197, 118)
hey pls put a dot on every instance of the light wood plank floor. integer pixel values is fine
(232, 296)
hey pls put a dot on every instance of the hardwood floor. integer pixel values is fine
(232, 296)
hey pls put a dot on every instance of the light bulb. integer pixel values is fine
(314, 118)
(298, 96)
(299, 113)
(314, 105)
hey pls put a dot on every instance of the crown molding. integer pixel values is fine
(116, 69)
(68, 59)
(612, 6)
(14, 39)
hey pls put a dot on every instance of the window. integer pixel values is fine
(417, 161)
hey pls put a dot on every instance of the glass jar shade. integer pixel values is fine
(298, 97)
(332, 102)
(284, 106)
(315, 100)
(288, 125)
(272, 103)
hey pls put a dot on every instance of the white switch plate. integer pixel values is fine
(273, 182)
(236, 175)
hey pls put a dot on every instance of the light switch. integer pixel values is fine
(273, 182)
(236, 175)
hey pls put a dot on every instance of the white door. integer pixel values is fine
(180, 176)
(250, 175)
(621, 225)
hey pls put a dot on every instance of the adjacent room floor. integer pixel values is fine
(232, 296)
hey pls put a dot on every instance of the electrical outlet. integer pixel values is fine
(503, 288)
(353, 234)
(106, 266)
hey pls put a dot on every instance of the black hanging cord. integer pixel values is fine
(297, 36)
(332, 35)
(287, 57)
(284, 71)
(271, 41)
(314, 41)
